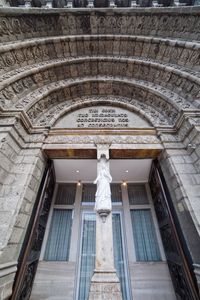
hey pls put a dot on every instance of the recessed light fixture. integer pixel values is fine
(77, 171)
(126, 171)
(124, 183)
(79, 183)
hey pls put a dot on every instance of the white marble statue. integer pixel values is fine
(103, 193)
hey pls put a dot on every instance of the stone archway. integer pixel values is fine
(70, 60)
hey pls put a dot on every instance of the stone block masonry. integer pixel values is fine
(54, 61)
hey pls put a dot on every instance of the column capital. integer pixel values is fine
(103, 148)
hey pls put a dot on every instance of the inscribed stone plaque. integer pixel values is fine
(101, 117)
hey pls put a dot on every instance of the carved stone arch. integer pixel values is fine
(155, 118)
(47, 48)
(169, 80)
(64, 94)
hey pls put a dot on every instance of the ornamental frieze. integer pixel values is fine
(51, 115)
(148, 96)
(156, 64)
(98, 139)
(8, 96)
(27, 53)
(138, 70)
(132, 24)
(29, 25)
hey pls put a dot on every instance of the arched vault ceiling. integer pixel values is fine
(180, 89)
(143, 97)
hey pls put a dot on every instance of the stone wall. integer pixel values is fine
(54, 279)
(55, 61)
(151, 281)
(21, 171)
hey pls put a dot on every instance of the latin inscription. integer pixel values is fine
(102, 118)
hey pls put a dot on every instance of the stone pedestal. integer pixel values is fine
(105, 283)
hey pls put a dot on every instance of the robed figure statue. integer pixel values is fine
(103, 193)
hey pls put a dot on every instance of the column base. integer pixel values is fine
(105, 285)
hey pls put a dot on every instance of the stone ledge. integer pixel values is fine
(8, 268)
(157, 10)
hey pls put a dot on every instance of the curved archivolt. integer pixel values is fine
(63, 96)
(154, 76)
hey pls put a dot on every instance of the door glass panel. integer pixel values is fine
(66, 194)
(87, 264)
(58, 243)
(146, 245)
(116, 194)
(88, 194)
(118, 253)
(89, 191)
(87, 254)
(137, 194)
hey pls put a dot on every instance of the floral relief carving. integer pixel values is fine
(74, 24)
(112, 68)
(98, 139)
(41, 117)
(175, 54)
(103, 88)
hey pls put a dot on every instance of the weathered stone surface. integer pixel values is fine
(105, 285)
(55, 61)
(24, 23)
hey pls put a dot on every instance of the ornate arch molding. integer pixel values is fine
(26, 53)
(151, 115)
(167, 80)
(166, 22)
(63, 94)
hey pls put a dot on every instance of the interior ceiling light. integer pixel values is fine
(77, 171)
(126, 171)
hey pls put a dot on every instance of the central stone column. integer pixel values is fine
(105, 282)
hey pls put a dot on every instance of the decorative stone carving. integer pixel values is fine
(152, 104)
(143, 23)
(100, 139)
(145, 72)
(56, 62)
(103, 204)
(105, 282)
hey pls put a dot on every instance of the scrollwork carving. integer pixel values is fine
(111, 68)
(54, 111)
(98, 139)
